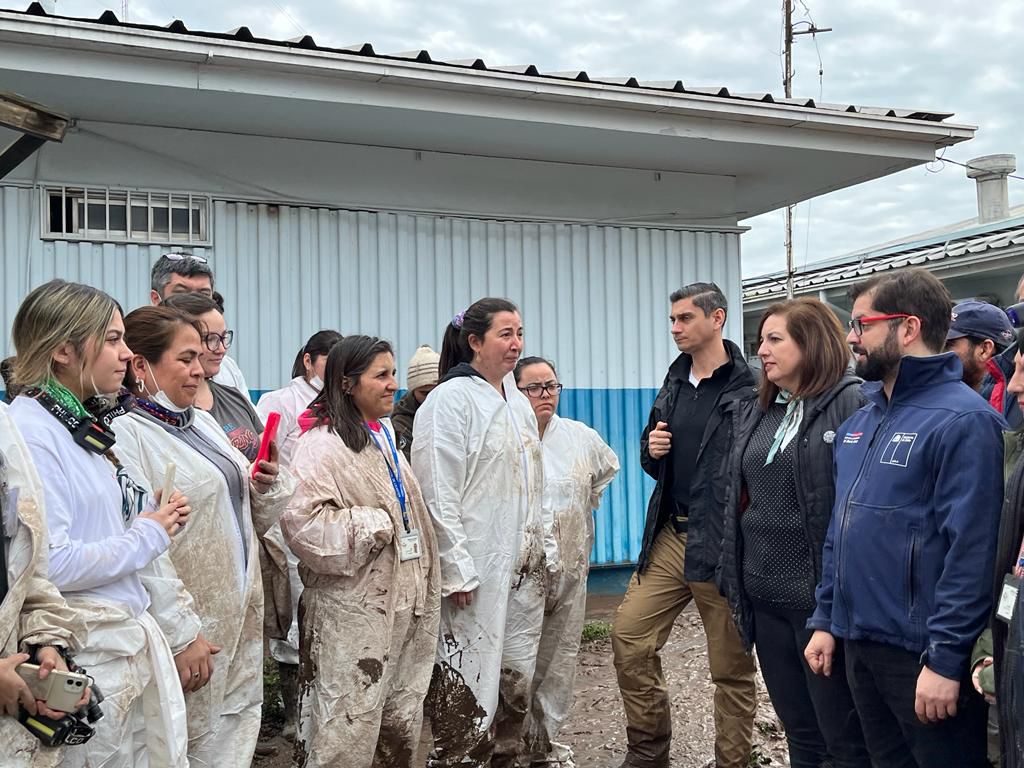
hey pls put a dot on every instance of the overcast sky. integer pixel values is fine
(942, 55)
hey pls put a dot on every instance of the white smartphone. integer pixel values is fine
(60, 690)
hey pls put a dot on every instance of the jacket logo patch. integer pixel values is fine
(852, 438)
(897, 452)
(829, 437)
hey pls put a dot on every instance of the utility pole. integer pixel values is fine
(124, 11)
(787, 84)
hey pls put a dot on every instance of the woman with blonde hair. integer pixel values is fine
(778, 509)
(104, 536)
(219, 638)
(368, 560)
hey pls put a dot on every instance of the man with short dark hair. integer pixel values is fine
(978, 333)
(684, 448)
(906, 568)
(188, 273)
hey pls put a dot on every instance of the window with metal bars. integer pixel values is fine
(119, 215)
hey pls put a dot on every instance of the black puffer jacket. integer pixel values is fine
(814, 477)
(708, 485)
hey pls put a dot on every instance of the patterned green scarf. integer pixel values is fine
(65, 397)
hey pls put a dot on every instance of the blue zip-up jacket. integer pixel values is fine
(909, 553)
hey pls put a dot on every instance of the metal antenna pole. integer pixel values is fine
(787, 84)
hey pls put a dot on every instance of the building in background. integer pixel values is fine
(373, 193)
(982, 257)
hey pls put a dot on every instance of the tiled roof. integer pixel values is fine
(306, 42)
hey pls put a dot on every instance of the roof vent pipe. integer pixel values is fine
(990, 173)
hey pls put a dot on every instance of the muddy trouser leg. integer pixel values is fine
(732, 672)
(642, 626)
(518, 662)
(289, 676)
(556, 668)
(412, 652)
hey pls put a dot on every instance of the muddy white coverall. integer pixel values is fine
(369, 620)
(578, 466)
(216, 557)
(291, 401)
(477, 457)
(33, 612)
(100, 553)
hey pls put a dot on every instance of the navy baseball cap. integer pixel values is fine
(982, 321)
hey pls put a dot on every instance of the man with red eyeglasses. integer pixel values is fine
(906, 568)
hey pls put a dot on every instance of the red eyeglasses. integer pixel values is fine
(857, 324)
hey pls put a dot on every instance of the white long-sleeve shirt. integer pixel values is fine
(92, 553)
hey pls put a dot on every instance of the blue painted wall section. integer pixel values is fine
(619, 415)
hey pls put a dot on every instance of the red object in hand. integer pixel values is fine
(269, 435)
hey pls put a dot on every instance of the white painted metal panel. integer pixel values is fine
(594, 298)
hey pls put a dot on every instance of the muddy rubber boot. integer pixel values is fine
(289, 675)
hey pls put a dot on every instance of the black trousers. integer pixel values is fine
(817, 712)
(883, 680)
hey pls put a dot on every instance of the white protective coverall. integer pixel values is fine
(477, 457)
(33, 612)
(291, 402)
(216, 557)
(578, 466)
(104, 565)
(369, 620)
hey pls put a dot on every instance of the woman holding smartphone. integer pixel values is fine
(218, 636)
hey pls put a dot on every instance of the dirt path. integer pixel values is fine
(596, 729)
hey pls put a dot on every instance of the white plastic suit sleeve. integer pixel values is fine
(33, 611)
(328, 539)
(171, 605)
(77, 565)
(605, 465)
(439, 463)
(268, 507)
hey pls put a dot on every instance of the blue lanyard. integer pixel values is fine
(395, 473)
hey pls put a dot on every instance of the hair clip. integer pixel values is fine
(458, 320)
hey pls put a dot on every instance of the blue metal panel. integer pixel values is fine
(619, 415)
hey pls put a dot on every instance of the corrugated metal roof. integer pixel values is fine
(306, 42)
(774, 286)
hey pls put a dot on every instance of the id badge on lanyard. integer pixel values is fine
(409, 547)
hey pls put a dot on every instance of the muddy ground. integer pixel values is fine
(596, 729)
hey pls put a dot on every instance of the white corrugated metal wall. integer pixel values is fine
(594, 299)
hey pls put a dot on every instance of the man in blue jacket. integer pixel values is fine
(908, 560)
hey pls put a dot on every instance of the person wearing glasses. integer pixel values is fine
(104, 533)
(779, 504)
(229, 408)
(175, 273)
(578, 466)
(907, 562)
(218, 634)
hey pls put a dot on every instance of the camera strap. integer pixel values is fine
(92, 434)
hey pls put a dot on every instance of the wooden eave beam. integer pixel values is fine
(20, 114)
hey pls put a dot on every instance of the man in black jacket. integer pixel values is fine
(684, 448)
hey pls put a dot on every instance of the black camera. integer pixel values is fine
(1015, 313)
(72, 729)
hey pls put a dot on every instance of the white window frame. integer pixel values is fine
(151, 200)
